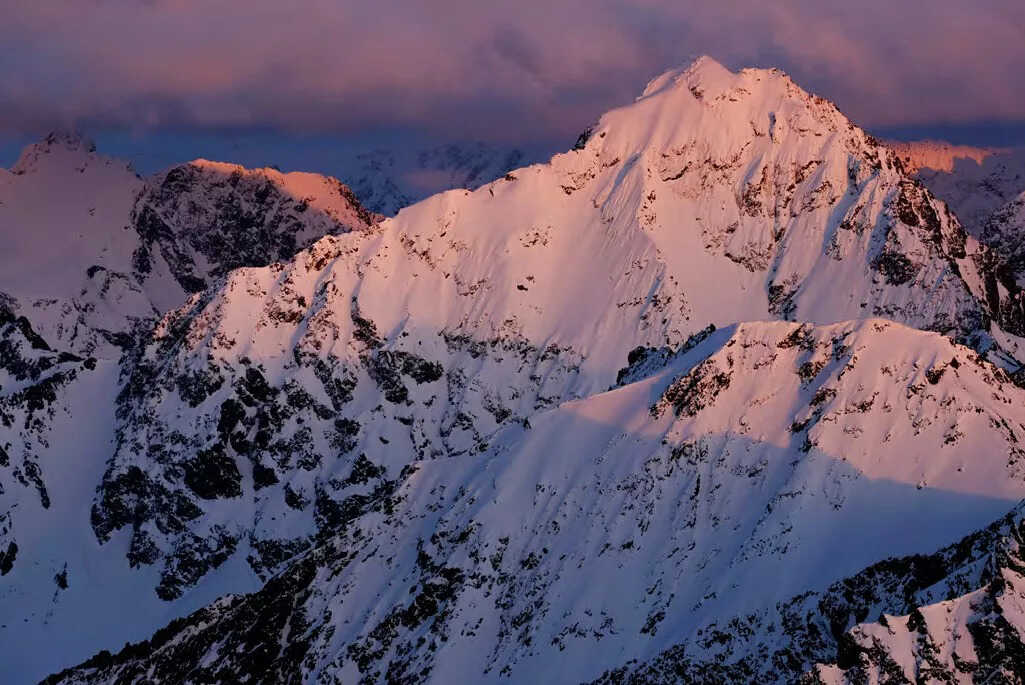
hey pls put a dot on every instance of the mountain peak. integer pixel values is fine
(72, 149)
(706, 76)
(716, 113)
(939, 155)
(704, 70)
(71, 140)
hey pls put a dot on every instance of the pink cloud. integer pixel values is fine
(493, 69)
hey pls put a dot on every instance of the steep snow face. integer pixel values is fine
(763, 451)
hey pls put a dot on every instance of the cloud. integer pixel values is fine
(496, 70)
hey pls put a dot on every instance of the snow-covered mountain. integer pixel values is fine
(938, 155)
(420, 442)
(285, 365)
(207, 218)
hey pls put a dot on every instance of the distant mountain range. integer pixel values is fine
(386, 180)
(976, 183)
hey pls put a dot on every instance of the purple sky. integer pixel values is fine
(529, 71)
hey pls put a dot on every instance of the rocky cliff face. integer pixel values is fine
(1004, 232)
(207, 218)
(985, 189)
(975, 182)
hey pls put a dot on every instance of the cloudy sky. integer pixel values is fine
(179, 77)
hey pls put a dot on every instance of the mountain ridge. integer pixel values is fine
(517, 529)
(404, 422)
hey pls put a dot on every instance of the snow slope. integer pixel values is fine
(614, 527)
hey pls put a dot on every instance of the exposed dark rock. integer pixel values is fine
(7, 558)
(896, 268)
(695, 391)
(212, 474)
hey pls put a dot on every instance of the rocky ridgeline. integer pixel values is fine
(207, 218)
(950, 616)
